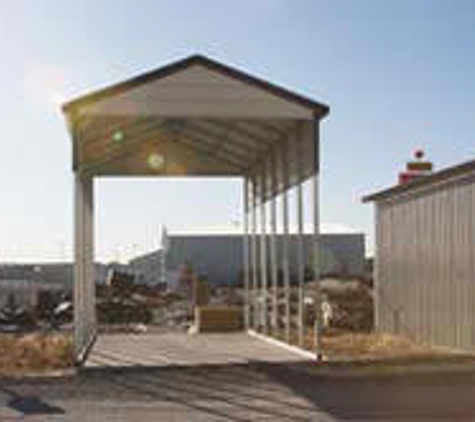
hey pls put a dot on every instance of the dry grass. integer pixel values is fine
(20, 354)
(363, 346)
(348, 346)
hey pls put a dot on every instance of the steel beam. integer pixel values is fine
(231, 125)
(226, 133)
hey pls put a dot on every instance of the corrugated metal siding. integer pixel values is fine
(425, 265)
(220, 257)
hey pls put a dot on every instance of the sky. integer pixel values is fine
(397, 76)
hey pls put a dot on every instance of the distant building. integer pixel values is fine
(148, 268)
(25, 283)
(424, 258)
(219, 257)
(28, 293)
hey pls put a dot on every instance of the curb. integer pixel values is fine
(56, 373)
(385, 370)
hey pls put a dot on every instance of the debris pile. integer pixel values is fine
(351, 305)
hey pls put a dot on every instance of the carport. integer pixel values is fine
(198, 117)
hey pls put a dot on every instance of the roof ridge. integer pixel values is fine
(115, 89)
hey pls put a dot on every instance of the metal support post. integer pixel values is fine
(246, 253)
(264, 283)
(316, 249)
(285, 240)
(300, 245)
(273, 244)
(255, 281)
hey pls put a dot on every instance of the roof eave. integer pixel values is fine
(444, 175)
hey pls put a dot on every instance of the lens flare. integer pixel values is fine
(155, 161)
(44, 86)
(118, 136)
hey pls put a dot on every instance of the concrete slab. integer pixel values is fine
(171, 349)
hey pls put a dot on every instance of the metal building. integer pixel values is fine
(425, 258)
(194, 118)
(219, 256)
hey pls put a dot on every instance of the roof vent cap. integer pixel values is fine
(416, 168)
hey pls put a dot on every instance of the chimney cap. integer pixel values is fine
(419, 153)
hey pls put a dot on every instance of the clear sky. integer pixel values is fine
(397, 75)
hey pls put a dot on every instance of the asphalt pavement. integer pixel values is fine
(252, 391)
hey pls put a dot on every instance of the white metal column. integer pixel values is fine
(316, 246)
(300, 244)
(84, 277)
(273, 244)
(285, 240)
(255, 281)
(246, 253)
(264, 295)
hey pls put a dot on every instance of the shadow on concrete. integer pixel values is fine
(29, 405)
(247, 392)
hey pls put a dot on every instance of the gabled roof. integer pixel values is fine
(318, 108)
(197, 117)
(448, 174)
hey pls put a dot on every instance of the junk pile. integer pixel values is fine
(351, 304)
(119, 303)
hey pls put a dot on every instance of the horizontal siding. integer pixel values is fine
(425, 270)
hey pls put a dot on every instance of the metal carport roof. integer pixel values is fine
(194, 117)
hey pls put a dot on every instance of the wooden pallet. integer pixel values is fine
(218, 319)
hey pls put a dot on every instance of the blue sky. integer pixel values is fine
(397, 75)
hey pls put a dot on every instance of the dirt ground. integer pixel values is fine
(34, 353)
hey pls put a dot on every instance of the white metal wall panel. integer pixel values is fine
(425, 265)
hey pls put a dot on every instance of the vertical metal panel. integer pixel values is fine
(464, 270)
(413, 273)
(471, 259)
(438, 227)
(450, 326)
(425, 272)
(426, 238)
(378, 266)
